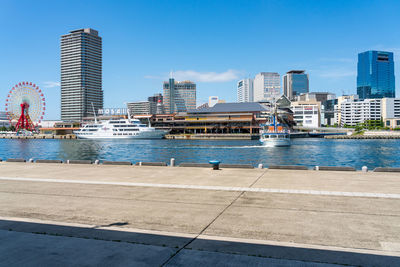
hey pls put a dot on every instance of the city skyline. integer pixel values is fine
(140, 52)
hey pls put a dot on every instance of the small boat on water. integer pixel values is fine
(274, 134)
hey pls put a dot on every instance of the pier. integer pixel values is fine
(214, 136)
(39, 136)
(187, 216)
(360, 136)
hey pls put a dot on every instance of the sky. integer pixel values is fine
(213, 43)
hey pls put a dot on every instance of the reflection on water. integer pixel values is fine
(79, 150)
(309, 152)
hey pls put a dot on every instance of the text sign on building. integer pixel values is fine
(113, 111)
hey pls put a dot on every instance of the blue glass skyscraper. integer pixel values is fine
(375, 75)
(295, 82)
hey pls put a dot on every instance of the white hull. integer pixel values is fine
(154, 135)
(275, 142)
(119, 129)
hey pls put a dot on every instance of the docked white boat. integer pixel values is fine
(119, 129)
(273, 139)
(274, 134)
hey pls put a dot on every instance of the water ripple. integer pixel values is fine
(308, 152)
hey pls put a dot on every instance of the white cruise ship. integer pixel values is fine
(119, 129)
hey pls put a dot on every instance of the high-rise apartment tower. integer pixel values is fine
(375, 75)
(295, 82)
(245, 90)
(81, 74)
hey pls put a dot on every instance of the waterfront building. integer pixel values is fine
(337, 107)
(212, 100)
(266, 86)
(179, 96)
(354, 112)
(328, 112)
(139, 108)
(4, 122)
(327, 108)
(315, 96)
(156, 101)
(390, 108)
(81, 74)
(375, 75)
(58, 127)
(307, 113)
(392, 123)
(245, 90)
(295, 82)
(221, 118)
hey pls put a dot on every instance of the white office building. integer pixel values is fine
(212, 100)
(245, 90)
(354, 112)
(4, 122)
(307, 114)
(390, 108)
(337, 109)
(139, 108)
(266, 86)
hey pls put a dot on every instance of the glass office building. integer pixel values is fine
(179, 96)
(375, 75)
(295, 82)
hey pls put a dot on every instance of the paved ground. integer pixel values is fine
(196, 216)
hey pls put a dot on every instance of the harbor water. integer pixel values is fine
(308, 151)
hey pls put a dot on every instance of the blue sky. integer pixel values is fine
(214, 43)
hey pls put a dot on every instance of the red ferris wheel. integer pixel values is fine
(25, 105)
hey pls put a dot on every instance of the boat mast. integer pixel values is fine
(275, 117)
(129, 116)
(94, 114)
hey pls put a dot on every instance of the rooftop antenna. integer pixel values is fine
(171, 74)
(94, 113)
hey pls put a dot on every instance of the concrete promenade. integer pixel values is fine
(64, 214)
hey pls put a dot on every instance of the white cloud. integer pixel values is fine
(338, 73)
(51, 84)
(226, 76)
